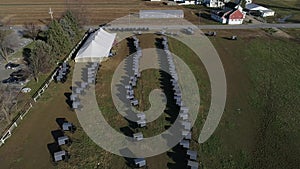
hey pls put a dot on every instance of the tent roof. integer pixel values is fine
(96, 47)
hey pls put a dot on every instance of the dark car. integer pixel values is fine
(20, 73)
(10, 80)
(11, 65)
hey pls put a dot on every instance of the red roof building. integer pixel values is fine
(229, 16)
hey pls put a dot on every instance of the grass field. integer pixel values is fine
(259, 128)
(282, 9)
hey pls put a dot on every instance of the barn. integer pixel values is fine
(228, 16)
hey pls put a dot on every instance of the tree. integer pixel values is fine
(7, 43)
(32, 30)
(70, 24)
(58, 39)
(40, 59)
(6, 98)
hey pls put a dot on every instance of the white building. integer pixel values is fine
(187, 2)
(97, 47)
(229, 16)
(263, 11)
(215, 3)
(161, 14)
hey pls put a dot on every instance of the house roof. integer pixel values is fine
(236, 14)
(255, 7)
(222, 13)
(231, 5)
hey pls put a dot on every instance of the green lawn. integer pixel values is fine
(263, 133)
(282, 9)
(259, 126)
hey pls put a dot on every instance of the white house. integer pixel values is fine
(187, 2)
(215, 3)
(263, 11)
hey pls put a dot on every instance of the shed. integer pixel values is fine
(188, 136)
(84, 85)
(184, 109)
(73, 97)
(129, 97)
(192, 154)
(128, 87)
(184, 116)
(76, 105)
(60, 155)
(63, 140)
(193, 164)
(141, 123)
(187, 125)
(138, 136)
(185, 143)
(140, 162)
(91, 79)
(141, 116)
(134, 102)
(185, 132)
(78, 90)
(68, 127)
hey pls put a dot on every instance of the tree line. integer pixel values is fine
(50, 46)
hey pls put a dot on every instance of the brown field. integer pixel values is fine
(95, 11)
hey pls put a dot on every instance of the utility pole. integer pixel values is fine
(51, 13)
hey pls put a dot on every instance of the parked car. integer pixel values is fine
(20, 73)
(14, 80)
(9, 80)
(11, 65)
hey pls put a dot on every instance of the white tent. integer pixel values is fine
(96, 47)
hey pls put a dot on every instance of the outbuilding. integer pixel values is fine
(253, 8)
(140, 162)
(60, 155)
(63, 140)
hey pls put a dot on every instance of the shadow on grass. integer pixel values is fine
(60, 121)
(52, 148)
(68, 99)
(56, 134)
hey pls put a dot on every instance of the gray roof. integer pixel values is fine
(161, 14)
(192, 154)
(193, 164)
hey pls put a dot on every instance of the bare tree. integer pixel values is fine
(40, 60)
(7, 43)
(32, 30)
(6, 98)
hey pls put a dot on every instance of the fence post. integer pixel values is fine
(15, 123)
(2, 140)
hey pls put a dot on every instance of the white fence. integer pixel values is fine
(36, 96)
